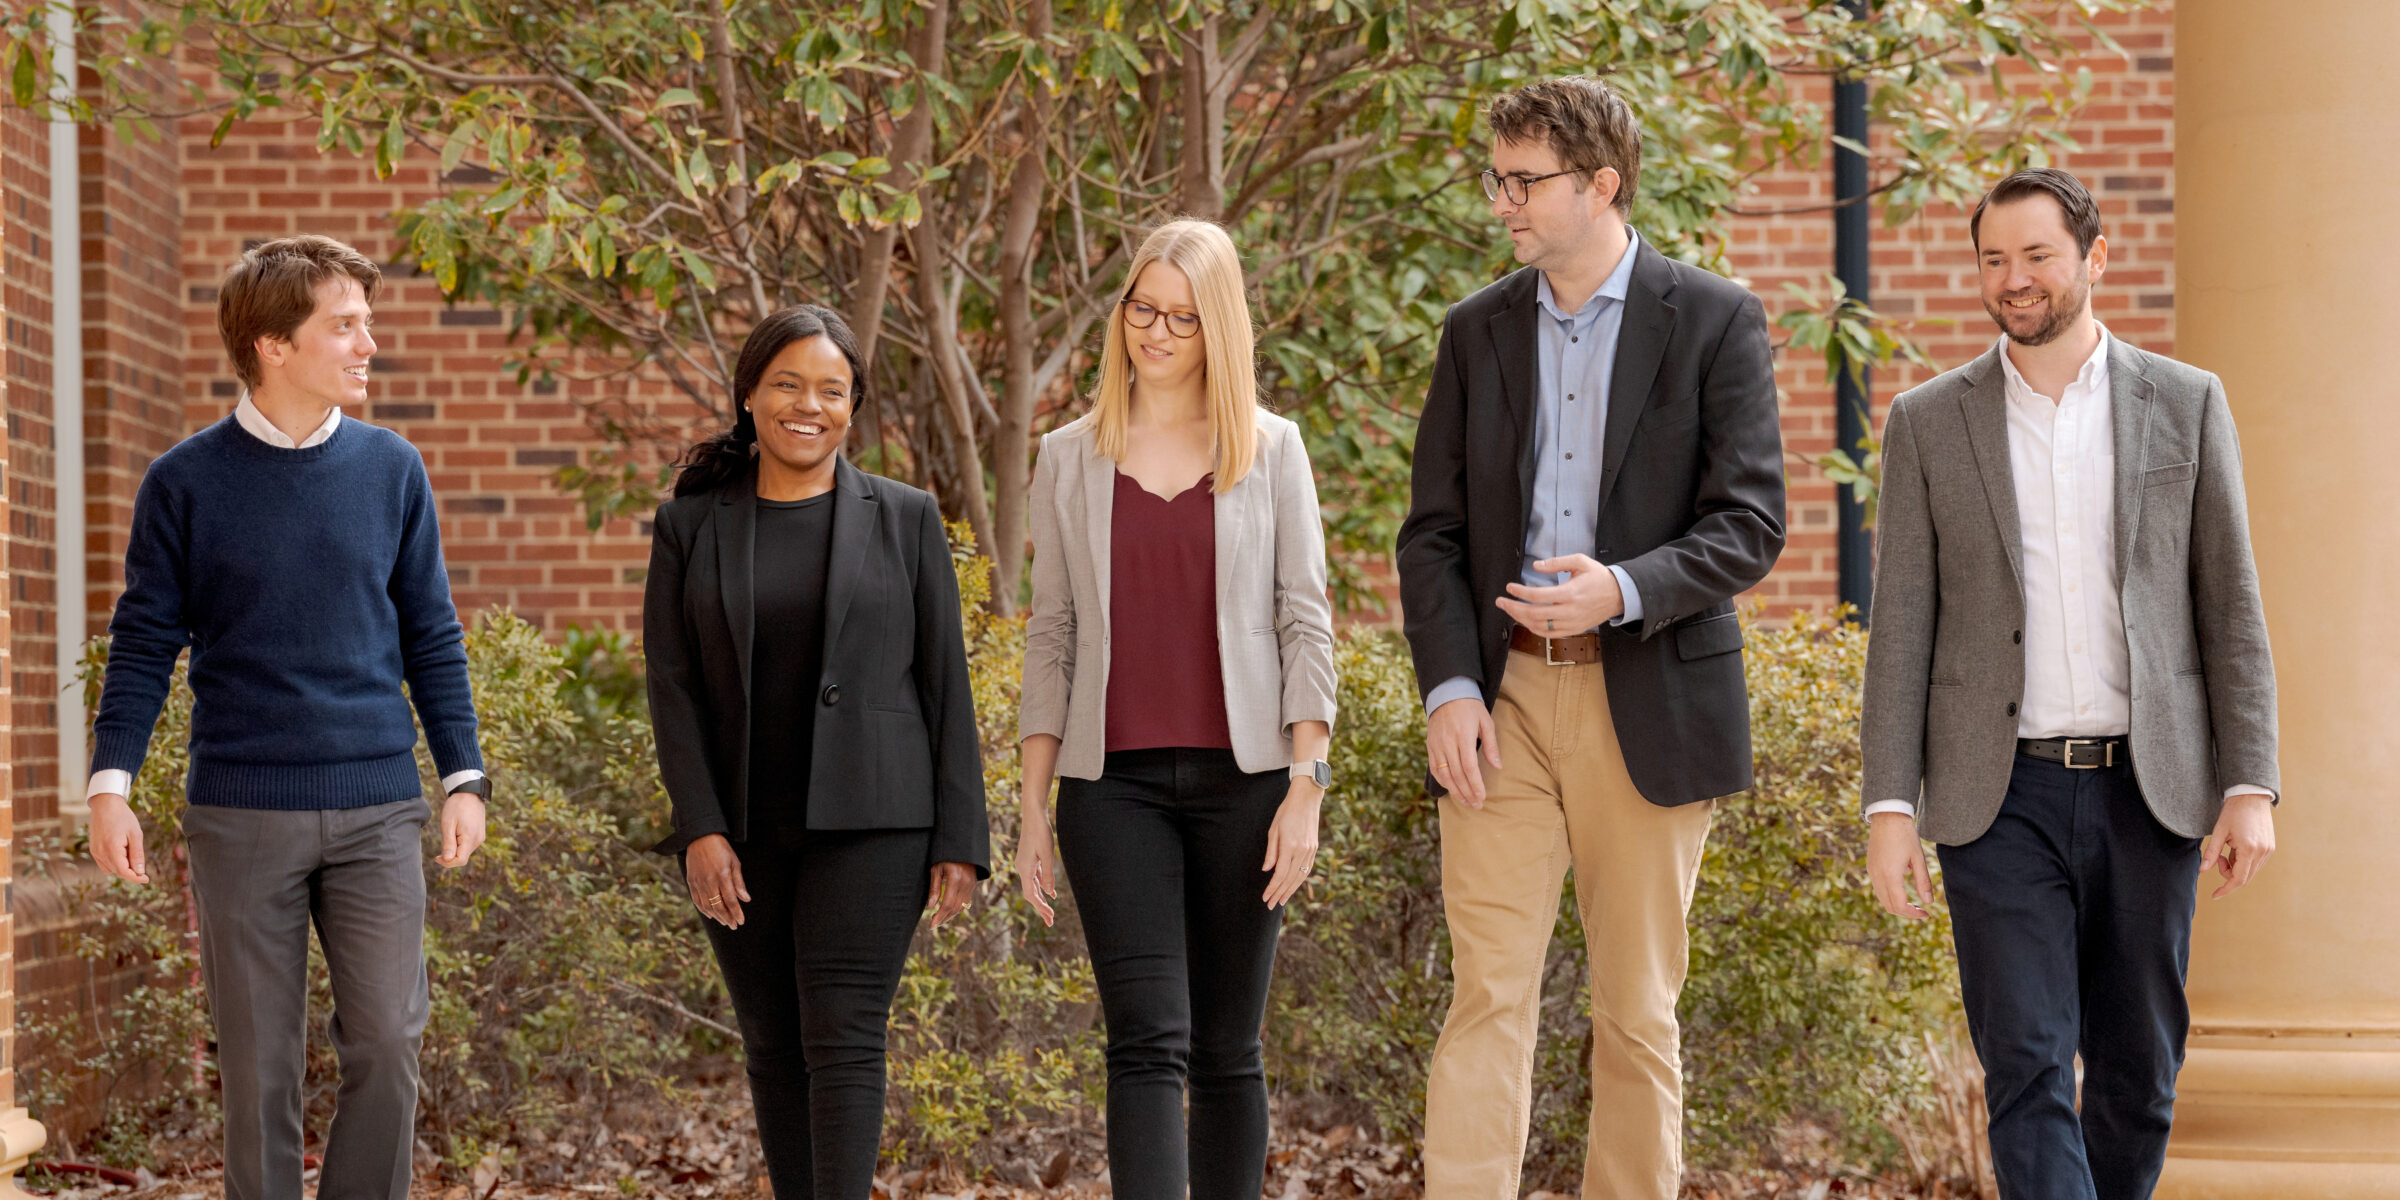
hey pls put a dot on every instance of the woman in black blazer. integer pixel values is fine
(816, 733)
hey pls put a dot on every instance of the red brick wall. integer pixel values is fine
(1924, 271)
(493, 447)
(32, 740)
(12, 219)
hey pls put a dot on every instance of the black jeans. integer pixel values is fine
(2073, 916)
(1163, 853)
(812, 972)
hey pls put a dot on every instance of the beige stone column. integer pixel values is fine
(2287, 256)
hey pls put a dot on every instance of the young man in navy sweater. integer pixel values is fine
(297, 554)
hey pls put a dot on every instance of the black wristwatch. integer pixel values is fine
(481, 786)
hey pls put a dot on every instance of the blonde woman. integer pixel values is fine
(1191, 758)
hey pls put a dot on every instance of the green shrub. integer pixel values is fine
(570, 972)
(1804, 1000)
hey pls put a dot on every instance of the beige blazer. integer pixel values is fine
(1274, 622)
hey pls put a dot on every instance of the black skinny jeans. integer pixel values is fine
(1163, 853)
(812, 972)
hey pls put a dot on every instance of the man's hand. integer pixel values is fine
(462, 829)
(117, 839)
(1589, 597)
(1452, 734)
(1895, 857)
(2238, 847)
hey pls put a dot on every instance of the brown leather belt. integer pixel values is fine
(1571, 651)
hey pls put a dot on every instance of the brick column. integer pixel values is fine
(2288, 127)
(20, 1135)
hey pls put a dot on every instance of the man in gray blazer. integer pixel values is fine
(2069, 690)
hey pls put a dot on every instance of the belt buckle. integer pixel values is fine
(1549, 660)
(2108, 757)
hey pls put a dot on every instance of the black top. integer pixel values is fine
(788, 657)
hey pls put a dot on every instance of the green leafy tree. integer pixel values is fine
(965, 178)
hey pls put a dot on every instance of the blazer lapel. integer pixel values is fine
(1985, 407)
(737, 528)
(1232, 522)
(1642, 333)
(2129, 429)
(854, 509)
(1515, 342)
(1099, 515)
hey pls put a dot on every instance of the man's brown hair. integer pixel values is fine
(1583, 121)
(272, 291)
(2075, 203)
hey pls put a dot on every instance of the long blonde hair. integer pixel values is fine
(1205, 255)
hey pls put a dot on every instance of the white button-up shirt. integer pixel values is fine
(2062, 456)
(118, 782)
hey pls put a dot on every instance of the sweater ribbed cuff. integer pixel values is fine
(454, 750)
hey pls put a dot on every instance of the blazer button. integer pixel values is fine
(833, 693)
(2012, 705)
(2018, 637)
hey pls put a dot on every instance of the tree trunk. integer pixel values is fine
(957, 411)
(910, 146)
(1011, 443)
(1203, 186)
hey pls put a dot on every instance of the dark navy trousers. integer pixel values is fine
(2073, 917)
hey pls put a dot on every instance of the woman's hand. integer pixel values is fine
(1292, 841)
(952, 885)
(714, 875)
(1037, 865)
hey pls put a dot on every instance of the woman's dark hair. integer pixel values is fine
(720, 460)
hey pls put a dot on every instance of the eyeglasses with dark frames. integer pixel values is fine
(1518, 188)
(1143, 316)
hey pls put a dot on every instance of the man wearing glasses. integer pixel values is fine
(1598, 473)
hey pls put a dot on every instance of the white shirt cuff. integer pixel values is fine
(2250, 789)
(1633, 598)
(451, 781)
(1457, 687)
(1902, 807)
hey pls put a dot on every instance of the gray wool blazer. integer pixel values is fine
(1946, 667)
(1274, 622)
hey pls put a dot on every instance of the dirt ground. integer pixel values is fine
(711, 1152)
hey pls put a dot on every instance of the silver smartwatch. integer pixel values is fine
(1317, 770)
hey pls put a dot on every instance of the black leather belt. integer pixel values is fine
(2080, 754)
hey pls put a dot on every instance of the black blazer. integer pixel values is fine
(896, 745)
(1690, 504)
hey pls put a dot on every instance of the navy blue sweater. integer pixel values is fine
(309, 585)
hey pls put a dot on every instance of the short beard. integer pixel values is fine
(2061, 315)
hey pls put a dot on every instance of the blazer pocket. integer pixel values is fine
(2172, 473)
(1674, 415)
(1708, 637)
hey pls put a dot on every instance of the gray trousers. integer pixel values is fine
(261, 878)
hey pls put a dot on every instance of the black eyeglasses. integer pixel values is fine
(1517, 187)
(1143, 316)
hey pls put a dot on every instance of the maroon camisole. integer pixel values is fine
(1166, 686)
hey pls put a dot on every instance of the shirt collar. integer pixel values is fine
(2092, 374)
(260, 427)
(1618, 283)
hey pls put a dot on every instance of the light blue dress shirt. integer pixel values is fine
(1578, 357)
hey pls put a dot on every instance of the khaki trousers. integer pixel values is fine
(1562, 799)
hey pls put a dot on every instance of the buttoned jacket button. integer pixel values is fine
(833, 695)
(2018, 637)
(2012, 705)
